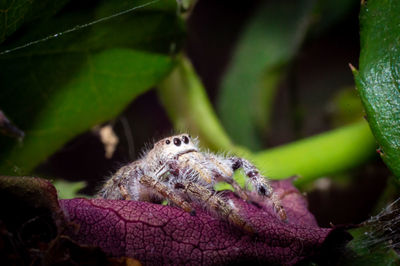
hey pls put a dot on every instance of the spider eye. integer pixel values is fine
(177, 141)
(185, 139)
(167, 141)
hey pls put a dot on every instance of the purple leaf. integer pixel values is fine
(157, 234)
(32, 226)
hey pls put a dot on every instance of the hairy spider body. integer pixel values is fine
(176, 170)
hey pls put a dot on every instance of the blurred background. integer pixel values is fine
(274, 71)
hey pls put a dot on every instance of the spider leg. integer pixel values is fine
(260, 184)
(188, 164)
(124, 192)
(116, 186)
(167, 193)
(226, 175)
(221, 172)
(239, 190)
(216, 203)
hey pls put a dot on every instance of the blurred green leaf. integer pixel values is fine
(345, 107)
(61, 87)
(68, 190)
(269, 42)
(378, 79)
(17, 12)
(390, 194)
(329, 13)
(223, 186)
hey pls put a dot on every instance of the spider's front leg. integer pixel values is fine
(215, 203)
(167, 193)
(260, 184)
(223, 172)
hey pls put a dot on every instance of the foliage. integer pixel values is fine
(14, 14)
(269, 42)
(80, 79)
(68, 190)
(378, 77)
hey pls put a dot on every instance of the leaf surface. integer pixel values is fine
(157, 234)
(15, 13)
(64, 86)
(267, 45)
(33, 227)
(378, 79)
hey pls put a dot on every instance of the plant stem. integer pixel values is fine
(320, 155)
(328, 153)
(189, 108)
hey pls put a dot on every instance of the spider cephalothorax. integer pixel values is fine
(176, 170)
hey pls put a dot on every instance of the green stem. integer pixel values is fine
(188, 106)
(320, 155)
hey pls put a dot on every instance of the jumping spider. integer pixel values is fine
(176, 170)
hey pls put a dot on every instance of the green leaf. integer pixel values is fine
(345, 107)
(15, 13)
(378, 79)
(68, 190)
(64, 86)
(329, 13)
(267, 45)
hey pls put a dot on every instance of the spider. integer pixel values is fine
(176, 170)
